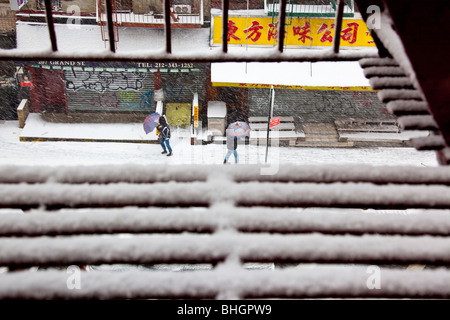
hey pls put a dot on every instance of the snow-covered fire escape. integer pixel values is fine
(127, 13)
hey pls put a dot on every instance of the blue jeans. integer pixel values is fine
(234, 152)
(164, 143)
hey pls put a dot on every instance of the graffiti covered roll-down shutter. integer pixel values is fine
(179, 86)
(109, 90)
(123, 89)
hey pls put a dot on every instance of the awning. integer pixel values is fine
(291, 75)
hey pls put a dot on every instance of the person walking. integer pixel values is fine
(164, 135)
(231, 149)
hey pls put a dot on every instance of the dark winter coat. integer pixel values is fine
(232, 143)
(163, 128)
(164, 132)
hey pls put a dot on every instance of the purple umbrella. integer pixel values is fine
(150, 122)
(238, 129)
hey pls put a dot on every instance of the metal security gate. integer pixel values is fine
(319, 105)
(109, 90)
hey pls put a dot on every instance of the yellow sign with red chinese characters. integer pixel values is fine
(196, 116)
(305, 32)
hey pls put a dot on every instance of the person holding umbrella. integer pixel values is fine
(231, 149)
(234, 131)
(164, 134)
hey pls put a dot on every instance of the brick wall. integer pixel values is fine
(7, 18)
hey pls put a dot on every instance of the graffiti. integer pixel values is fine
(94, 90)
(128, 96)
(108, 100)
(363, 99)
(103, 80)
(146, 100)
(171, 94)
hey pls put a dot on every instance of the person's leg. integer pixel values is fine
(168, 145)
(235, 156)
(227, 155)
(163, 146)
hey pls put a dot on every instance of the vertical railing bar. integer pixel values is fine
(50, 24)
(225, 7)
(116, 17)
(338, 26)
(201, 12)
(167, 27)
(282, 25)
(116, 34)
(109, 20)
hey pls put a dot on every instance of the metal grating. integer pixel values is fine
(221, 223)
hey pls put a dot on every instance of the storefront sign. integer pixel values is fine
(268, 86)
(165, 67)
(196, 116)
(309, 32)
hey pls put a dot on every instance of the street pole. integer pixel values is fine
(272, 98)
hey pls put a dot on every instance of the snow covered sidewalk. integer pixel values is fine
(79, 152)
(37, 129)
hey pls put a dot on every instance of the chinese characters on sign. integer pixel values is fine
(326, 32)
(300, 32)
(196, 116)
(254, 31)
(303, 31)
(232, 30)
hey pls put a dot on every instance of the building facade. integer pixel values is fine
(73, 89)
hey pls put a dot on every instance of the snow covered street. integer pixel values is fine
(13, 151)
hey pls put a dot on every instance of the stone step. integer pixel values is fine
(324, 144)
(316, 137)
(319, 128)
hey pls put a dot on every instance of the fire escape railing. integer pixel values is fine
(211, 56)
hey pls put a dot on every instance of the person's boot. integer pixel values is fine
(170, 153)
(164, 152)
(225, 161)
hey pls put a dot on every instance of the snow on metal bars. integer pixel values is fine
(227, 218)
(312, 231)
